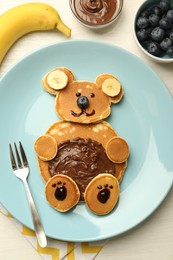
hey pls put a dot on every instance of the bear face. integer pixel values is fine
(82, 101)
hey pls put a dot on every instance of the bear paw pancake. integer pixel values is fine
(102, 194)
(117, 150)
(62, 193)
(45, 147)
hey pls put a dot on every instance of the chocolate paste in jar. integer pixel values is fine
(95, 11)
(81, 159)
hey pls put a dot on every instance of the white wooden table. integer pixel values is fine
(153, 239)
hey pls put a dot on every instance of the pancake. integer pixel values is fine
(66, 103)
(45, 147)
(102, 194)
(62, 131)
(81, 157)
(46, 85)
(62, 193)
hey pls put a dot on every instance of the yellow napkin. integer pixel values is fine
(58, 250)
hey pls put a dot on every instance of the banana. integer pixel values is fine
(57, 79)
(25, 18)
(111, 87)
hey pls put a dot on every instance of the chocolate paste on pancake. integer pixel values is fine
(81, 159)
(95, 11)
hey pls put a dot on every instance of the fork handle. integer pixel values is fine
(40, 234)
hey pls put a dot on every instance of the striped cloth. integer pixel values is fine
(58, 250)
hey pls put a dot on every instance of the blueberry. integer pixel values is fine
(165, 44)
(157, 34)
(169, 15)
(83, 102)
(157, 10)
(145, 44)
(143, 34)
(165, 23)
(146, 13)
(164, 5)
(154, 49)
(168, 32)
(154, 20)
(142, 22)
(171, 36)
(170, 51)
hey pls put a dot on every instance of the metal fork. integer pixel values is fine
(21, 170)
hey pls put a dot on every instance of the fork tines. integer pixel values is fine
(22, 155)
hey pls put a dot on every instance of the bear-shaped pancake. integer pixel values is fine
(81, 157)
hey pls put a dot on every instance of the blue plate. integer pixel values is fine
(143, 118)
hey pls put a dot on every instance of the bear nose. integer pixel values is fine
(83, 102)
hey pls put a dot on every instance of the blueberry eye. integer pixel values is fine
(78, 94)
(92, 95)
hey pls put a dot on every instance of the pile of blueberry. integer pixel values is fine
(154, 29)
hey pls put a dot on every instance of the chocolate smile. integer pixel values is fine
(83, 112)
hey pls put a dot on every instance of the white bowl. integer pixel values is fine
(93, 25)
(144, 6)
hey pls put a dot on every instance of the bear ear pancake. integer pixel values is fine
(63, 74)
(111, 86)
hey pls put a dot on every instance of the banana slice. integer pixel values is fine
(57, 79)
(111, 87)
